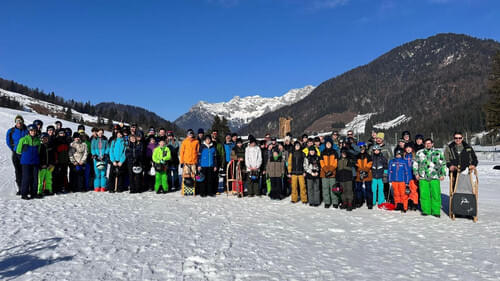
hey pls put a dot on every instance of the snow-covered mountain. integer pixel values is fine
(238, 111)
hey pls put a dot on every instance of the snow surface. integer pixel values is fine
(102, 236)
(358, 124)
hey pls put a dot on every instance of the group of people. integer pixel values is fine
(335, 170)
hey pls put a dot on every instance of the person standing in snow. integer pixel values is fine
(118, 167)
(297, 174)
(134, 154)
(13, 135)
(344, 178)
(363, 190)
(379, 171)
(208, 167)
(429, 168)
(238, 155)
(275, 170)
(28, 148)
(328, 170)
(99, 149)
(173, 164)
(78, 158)
(413, 196)
(399, 178)
(253, 161)
(459, 156)
(60, 174)
(312, 168)
(161, 156)
(228, 147)
(190, 148)
(47, 163)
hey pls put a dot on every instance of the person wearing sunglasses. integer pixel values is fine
(13, 135)
(459, 155)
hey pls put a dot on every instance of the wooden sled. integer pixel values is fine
(464, 195)
(234, 178)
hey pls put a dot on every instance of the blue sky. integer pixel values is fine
(167, 55)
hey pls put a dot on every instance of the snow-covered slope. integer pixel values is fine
(102, 236)
(393, 123)
(239, 111)
(34, 105)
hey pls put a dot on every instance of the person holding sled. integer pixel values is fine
(399, 179)
(161, 156)
(99, 149)
(14, 135)
(459, 156)
(429, 168)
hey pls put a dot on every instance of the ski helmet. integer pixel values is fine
(137, 169)
(100, 165)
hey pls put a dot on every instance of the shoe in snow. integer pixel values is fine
(327, 206)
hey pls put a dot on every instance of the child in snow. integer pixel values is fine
(364, 177)
(99, 149)
(117, 157)
(398, 177)
(161, 155)
(379, 169)
(275, 170)
(29, 148)
(207, 166)
(413, 196)
(134, 154)
(238, 156)
(312, 168)
(78, 158)
(47, 163)
(297, 174)
(344, 178)
(328, 170)
(60, 174)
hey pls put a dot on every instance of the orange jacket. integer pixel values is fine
(328, 164)
(189, 151)
(364, 165)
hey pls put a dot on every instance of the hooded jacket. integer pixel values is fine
(14, 135)
(253, 157)
(78, 152)
(379, 166)
(134, 154)
(208, 155)
(399, 171)
(161, 154)
(117, 150)
(99, 147)
(29, 148)
(189, 151)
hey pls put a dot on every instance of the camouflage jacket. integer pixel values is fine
(429, 164)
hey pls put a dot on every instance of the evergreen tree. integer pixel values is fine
(492, 106)
(69, 114)
(221, 126)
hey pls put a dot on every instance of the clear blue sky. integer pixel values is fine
(167, 55)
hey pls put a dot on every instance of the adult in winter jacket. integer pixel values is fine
(419, 143)
(60, 174)
(310, 145)
(134, 154)
(429, 169)
(407, 139)
(117, 158)
(328, 171)
(190, 148)
(13, 136)
(413, 196)
(297, 174)
(221, 159)
(275, 170)
(399, 178)
(99, 149)
(253, 160)
(379, 172)
(312, 168)
(78, 158)
(344, 178)
(173, 164)
(149, 178)
(161, 156)
(28, 148)
(47, 164)
(208, 167)
(459, 156)
(363, 190)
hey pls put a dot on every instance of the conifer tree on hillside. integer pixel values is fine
(492, 106)
(221, 126)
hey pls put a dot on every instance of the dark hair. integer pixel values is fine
(458, 133)
(428, 139)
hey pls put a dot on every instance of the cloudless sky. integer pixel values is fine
(167, 55)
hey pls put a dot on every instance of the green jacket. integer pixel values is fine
(429, 164)
(29, 149)
(161, 155)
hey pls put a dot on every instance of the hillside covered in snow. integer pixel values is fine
(239, 111)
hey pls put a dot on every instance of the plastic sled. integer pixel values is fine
(387, 206)
(464, 195)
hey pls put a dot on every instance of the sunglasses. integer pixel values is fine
(459, 138)
(19, 121)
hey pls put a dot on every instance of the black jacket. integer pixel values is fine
(297, 162)
(47, 155)
(464, 159)
(379, 165)
(344, 170)
(134, 154)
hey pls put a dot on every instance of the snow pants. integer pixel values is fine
(135, 180)
(44, 180)
(77, 178)
(88, 173)
(173, 177)
(100, 176)
(400, 196)
(161, 180)
(378, 191)
(313, 191)
(276, 187)
(364, 194)
(329, 197)
(29, 183)
(300, 181)
(60, 178)
(18, 168)
(207, 186)
(253, 186)
(347, 192)
(413, 192)
(430, 197)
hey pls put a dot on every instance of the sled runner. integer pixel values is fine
(464, 195)
(188, 182)
(234, 178)
(387, 205)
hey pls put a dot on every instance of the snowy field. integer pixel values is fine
(89, 236)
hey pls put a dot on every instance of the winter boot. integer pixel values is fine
(349, 207)
(343, 205)
(327, 206)
(336, 206)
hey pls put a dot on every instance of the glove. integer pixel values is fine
(182, 166)
(407, 189)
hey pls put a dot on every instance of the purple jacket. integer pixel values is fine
(149, 150)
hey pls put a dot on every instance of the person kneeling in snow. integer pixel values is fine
(161, 155)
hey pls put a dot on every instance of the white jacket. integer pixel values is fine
(253, 157)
